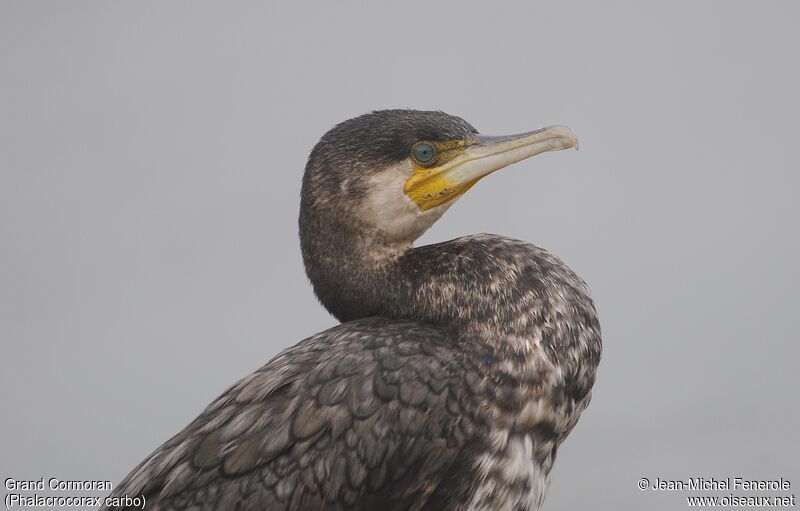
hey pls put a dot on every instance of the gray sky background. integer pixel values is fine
(150, 165)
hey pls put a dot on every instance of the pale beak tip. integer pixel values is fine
(573, 138)
(567, 134)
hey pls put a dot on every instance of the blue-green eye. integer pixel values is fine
(423, 152)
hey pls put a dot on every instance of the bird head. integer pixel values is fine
(391, 174)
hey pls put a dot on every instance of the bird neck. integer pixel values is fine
(358, 274)
(351, 268)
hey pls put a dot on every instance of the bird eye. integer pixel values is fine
(423, 153)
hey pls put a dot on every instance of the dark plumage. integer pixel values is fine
(460, 368)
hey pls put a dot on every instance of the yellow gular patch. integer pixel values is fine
(428, 186)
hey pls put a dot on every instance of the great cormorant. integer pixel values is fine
(458, 368)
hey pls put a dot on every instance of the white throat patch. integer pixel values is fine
(389, 210)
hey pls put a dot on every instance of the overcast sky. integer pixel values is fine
(150, 164)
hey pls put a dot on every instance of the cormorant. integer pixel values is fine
(458, 368)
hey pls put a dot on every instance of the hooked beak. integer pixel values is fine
(431, 187)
